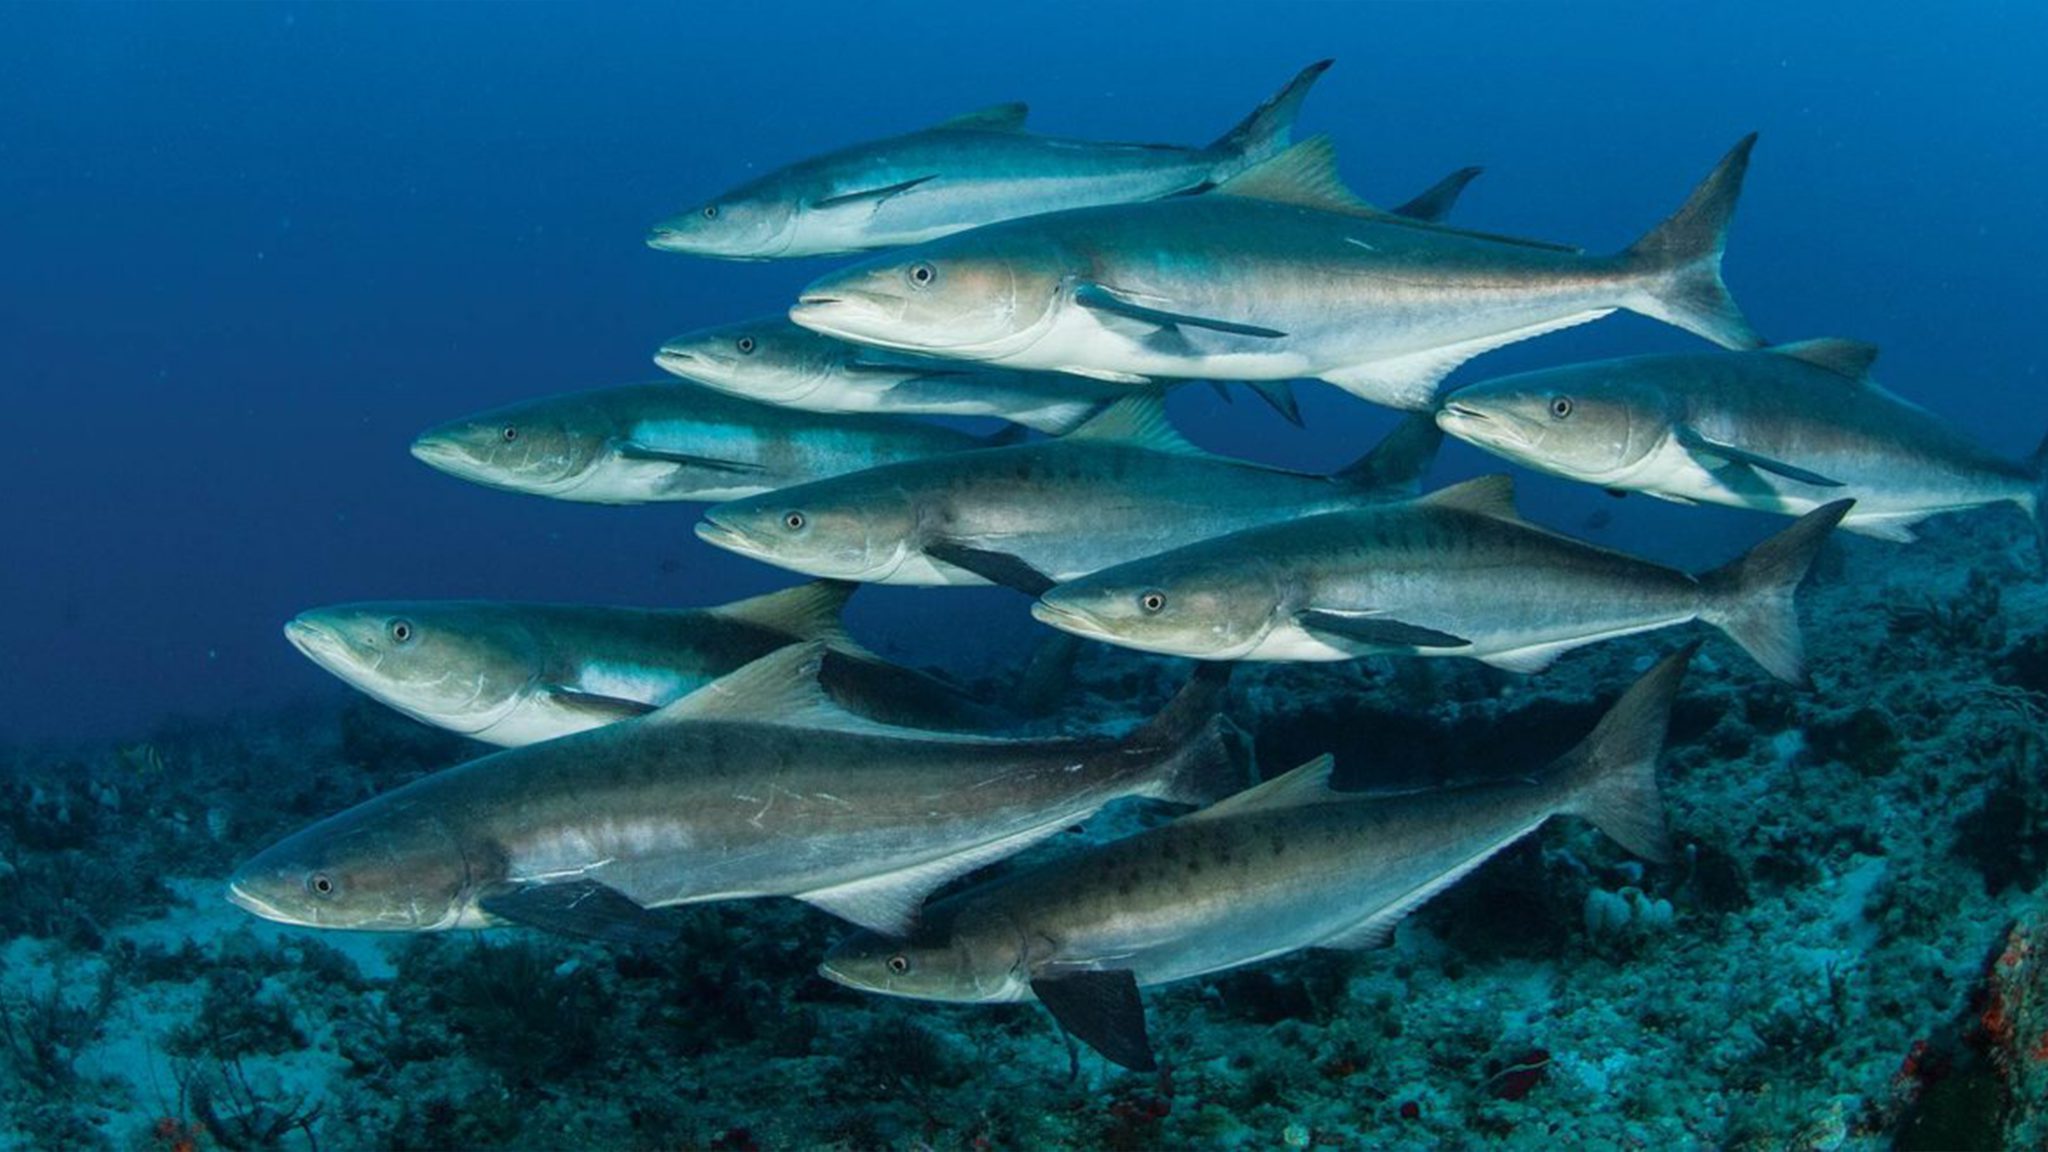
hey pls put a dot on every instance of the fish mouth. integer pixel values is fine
(314, 642)
(688, 362)
(1470, 424)
(728, 537)
(443, 455)
(1068, 620)
(663, 239)
(255, 905)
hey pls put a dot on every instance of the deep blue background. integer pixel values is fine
(247, 252)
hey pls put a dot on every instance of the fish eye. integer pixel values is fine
(1560, 406)
(711, 211)
(511, 434)
(922, 274)
(899, 964)
(746, 345)
(794, 521)
(1152, 602)
(401, 631)
(320, 884)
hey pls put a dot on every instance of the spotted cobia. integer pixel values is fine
(1279, 273)
(512, 674)
(1288, 865)
(971, 170)
(1122, 486)
(1455, 573)
(1784, 429)
(666, 441)
(755, 785)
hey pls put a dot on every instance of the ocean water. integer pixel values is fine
(252, 251)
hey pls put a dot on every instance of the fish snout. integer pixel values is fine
(315, 641)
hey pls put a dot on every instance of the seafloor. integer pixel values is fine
(1847, 953)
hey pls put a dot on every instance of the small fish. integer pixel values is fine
(971, 170)
(666, 441)
(1455, 573)
(1122, 486)
(1783, 429)
(1288, 865)
(757, 784)
(1279, 273)
(512, 674)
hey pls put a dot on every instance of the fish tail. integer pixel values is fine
(1203, 756)
(1268, 130)
(1679, 261)
(1750, 598)
(1399, 460)
(1278, 395)
(1611, 777)
(1047, 675)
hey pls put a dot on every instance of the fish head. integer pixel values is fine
(456, 665)
(978, 295)
(755, 221)
(1592, 422)
(934, 963)
(771, 359)
(858, 527)
(383, 866)
(1202, 601)
(543, 446)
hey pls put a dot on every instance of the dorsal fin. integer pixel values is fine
(805, 612)
(1487, 495)
(1308, 784)
(994, 118)
(783, 688)
(1850, 359)
(1140, 420)
(1305, 174)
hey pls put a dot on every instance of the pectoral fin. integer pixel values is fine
(582, 908)
(872, 197)
(995, 567)
(1372, 628)
(594, 706)
(633, 450)
(1103, 1011)
(1089, 294)
(1699, 445)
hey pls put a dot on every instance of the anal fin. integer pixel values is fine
(1409, 381)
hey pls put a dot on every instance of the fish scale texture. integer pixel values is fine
(1849, 959)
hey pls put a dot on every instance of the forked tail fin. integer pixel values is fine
(1203, 756)
(1395, 466)
(1611, 777)
(1750, 598)
(1679, 261)
(1269, 129)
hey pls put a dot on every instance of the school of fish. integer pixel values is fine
(649, 758)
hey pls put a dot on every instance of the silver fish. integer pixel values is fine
(755, 785)
(971, 170)
(1279, 273)
(1288, 865)
(1123, 486)
(1785, 429)
(513, 674)
(1455, 573)
(641, 443)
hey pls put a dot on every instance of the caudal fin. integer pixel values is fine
(1395, 465)
(1436, 201)
(1268, 130)
(1047, 675)
(1679, 262)
(1750, 598)
(1611, 777)
(1203, 756)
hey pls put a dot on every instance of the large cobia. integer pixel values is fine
(1455, 573)
(512, 674)
(1785, 429)
(1279, 273)
(1122, 486)
(755, 785)
(641, 443)
(971, 170)
(1288, 865)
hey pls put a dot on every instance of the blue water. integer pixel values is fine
(249, 252)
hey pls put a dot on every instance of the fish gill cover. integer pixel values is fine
(258, 254)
